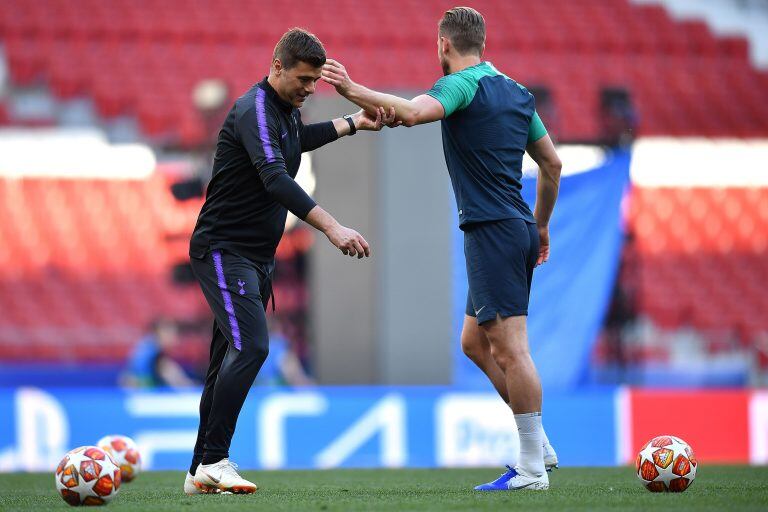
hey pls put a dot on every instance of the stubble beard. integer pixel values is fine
(445, 66)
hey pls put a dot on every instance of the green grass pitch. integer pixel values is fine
(730, 488)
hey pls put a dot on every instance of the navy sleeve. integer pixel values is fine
(313, 136)
(259, 131)
(288, 193)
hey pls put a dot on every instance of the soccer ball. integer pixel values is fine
(87, 476)
(125, 452)
(666, 463)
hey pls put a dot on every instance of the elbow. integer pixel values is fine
(271, 179)
(269, 183)
(553, 169)
(556, 167)
(410, 119)
(411, 115)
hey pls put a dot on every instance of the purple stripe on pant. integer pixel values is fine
(261, 120)
(228, 306)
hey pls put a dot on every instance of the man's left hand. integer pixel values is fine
(335, 74)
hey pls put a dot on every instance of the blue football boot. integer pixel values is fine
(500, 484)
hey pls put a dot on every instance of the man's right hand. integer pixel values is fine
(348, 241)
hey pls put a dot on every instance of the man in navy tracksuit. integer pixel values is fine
(233, 245)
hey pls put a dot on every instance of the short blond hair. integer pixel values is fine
(465, 27)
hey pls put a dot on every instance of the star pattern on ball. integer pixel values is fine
(666, 464)
(87, 476)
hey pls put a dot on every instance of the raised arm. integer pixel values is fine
(316, 135)
(543, 153)
(421, 109)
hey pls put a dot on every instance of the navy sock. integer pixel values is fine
(193, 467)
(210, 458)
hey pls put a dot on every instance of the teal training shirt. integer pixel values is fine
(489, 120)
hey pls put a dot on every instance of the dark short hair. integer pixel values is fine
(298, 45)
(465, 27)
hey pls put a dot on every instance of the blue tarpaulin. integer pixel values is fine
(571, 292)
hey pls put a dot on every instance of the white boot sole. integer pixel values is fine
(206, 485)
(533, 486)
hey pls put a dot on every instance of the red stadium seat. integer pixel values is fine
(684, 264)
(91, 281)
(116, 54)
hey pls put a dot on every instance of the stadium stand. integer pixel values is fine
(81, 279)
(143, 58)
(700, 257)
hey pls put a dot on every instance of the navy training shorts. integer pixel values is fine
(500, 256)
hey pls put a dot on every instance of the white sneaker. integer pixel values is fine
(222, 477)
(550, 458)
(189, 486)
(523, 481)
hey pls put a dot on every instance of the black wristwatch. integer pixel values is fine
(352, 128)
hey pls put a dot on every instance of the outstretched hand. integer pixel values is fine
(366, 121)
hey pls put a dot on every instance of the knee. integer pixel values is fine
(258, 353)
(508, 356)
(472, 348)
(262, 351)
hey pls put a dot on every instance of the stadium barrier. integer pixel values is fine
(328, 427)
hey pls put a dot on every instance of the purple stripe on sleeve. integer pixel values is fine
(261, 120)
(228, 306)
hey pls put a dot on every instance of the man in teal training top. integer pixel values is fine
(488, 122)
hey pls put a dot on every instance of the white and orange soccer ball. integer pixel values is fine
(666, 463)
(87, 476)
(125, 452)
